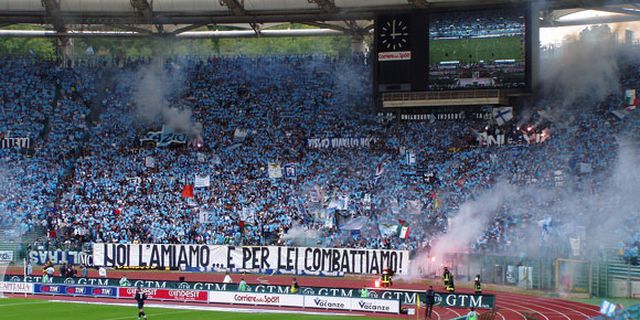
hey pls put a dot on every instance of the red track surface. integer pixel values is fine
(510, 306)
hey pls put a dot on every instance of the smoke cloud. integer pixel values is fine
(300, 236)
(585, 69)
(157, 83)
(468, 224)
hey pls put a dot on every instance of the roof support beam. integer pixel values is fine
(599, 20)
(53, 11)
(237, 8)
(328, 6)
(355, 29)
(143, 7)
(618, 10)
(189, 28)
(327, 26)
(419, 3)
(234, 6)
(183, 35)
(133, 28)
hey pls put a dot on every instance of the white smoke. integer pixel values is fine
(468, 224)
(584, 70)
(301, 236)
(156, 84)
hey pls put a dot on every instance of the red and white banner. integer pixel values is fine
(394, 56)
(16, 287)
(257, 299)
(165, 294)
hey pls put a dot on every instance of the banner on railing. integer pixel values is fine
(40, 257)
(256, 299)
(293, 259)
(304, 301)
(353, 304)
(16, 287)
(165, 294)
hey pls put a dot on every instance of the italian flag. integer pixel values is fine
(403, 232)
(631, 99)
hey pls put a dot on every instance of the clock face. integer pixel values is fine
(394, 35)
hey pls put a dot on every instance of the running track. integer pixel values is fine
(509, 306)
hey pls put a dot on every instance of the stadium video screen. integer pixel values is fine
(477, 49)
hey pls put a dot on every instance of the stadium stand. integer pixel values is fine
(87, 177)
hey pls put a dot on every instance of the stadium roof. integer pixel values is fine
(144, 17)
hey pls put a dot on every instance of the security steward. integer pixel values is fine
(477, 286)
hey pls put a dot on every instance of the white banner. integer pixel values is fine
(274, 170)
(257, 299)
(202, 181)
(376, 305)
(150, 162)
(327, 302)
(290, 259)
(305, 301)
(6, 256)
(16, 287)
(240, 134)
(335, 143)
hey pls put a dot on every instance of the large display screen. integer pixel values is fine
(477, 49)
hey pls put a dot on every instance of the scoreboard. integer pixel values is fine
(469, 49)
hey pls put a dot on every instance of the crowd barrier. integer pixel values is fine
(218, 297)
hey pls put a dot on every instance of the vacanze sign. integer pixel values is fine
(205, 257)
(405, 297)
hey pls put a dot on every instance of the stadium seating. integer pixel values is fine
(88, 178)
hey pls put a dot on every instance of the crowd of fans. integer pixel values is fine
(89, 178)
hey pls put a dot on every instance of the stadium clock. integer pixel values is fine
(394, 35)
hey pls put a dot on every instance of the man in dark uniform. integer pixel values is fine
(140, 298)
(430, 301)
(477, 287)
